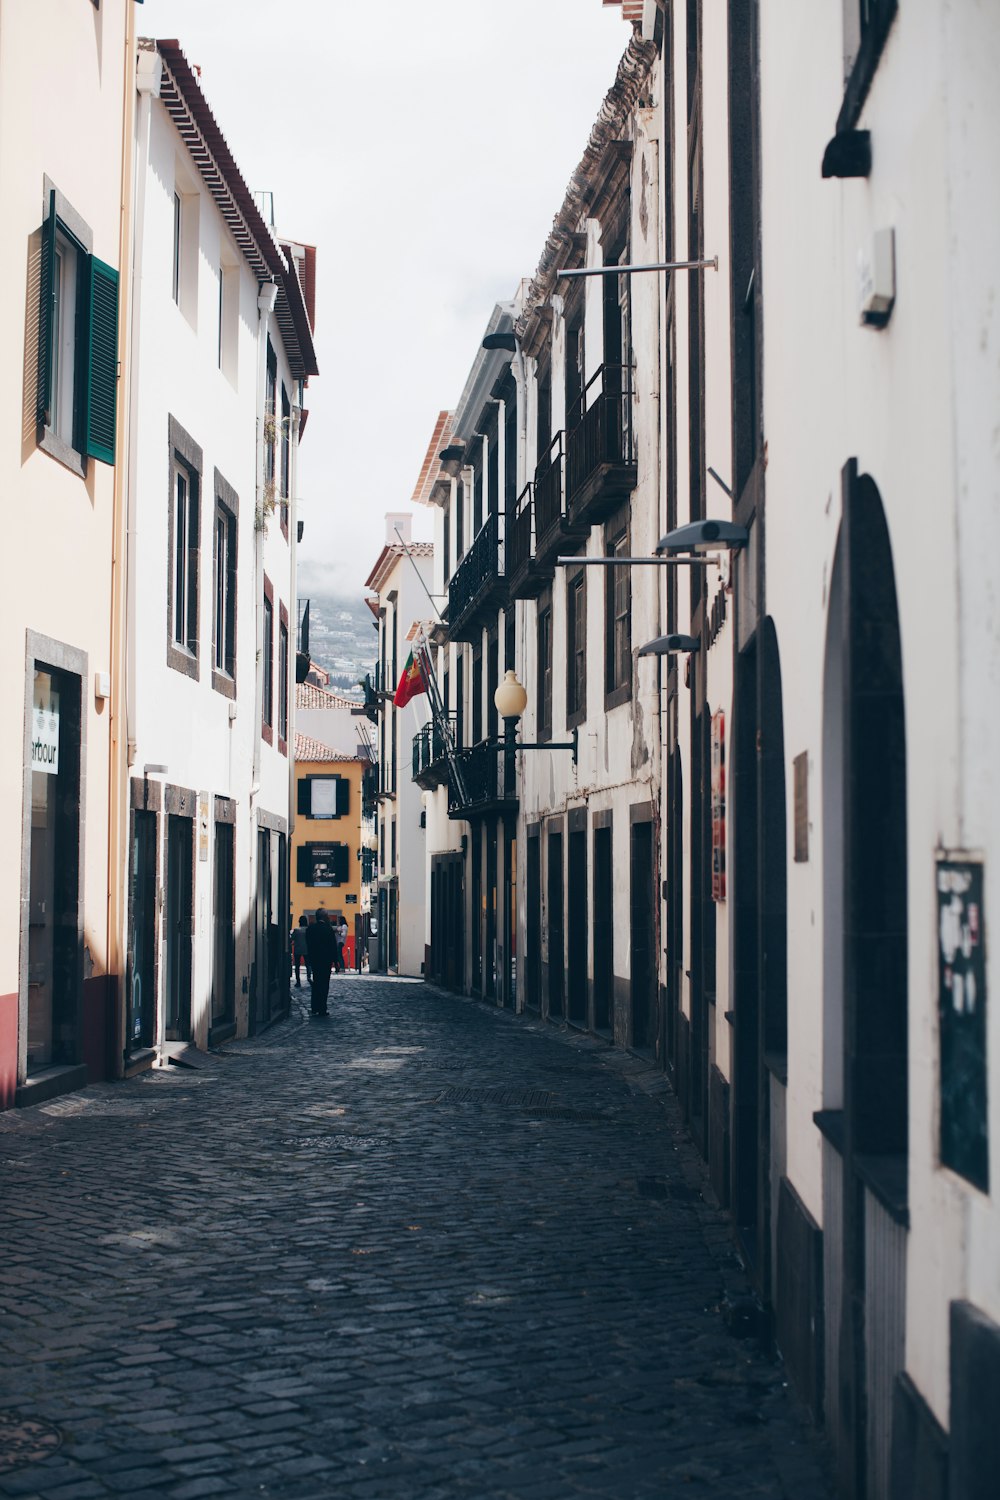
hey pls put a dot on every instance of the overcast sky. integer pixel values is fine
(424, 147)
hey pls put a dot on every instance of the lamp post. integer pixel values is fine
(511, 700)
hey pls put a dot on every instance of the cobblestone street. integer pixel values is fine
(420, 1249)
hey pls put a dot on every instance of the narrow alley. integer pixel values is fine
(421, 1249)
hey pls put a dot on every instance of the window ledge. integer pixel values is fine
(776, 1064)
(830, 1124)
(63, 452)
(618, 697)
(223, 683)
(182, 661)
(887, 1179)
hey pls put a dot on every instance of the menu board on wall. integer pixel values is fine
(962, 1018)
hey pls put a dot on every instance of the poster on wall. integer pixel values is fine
(962, 1018)
(719, 806)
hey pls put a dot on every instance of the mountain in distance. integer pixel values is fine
(342, 638)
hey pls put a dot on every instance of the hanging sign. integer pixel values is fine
(719, 806)
(45, 740)
(962, 1018)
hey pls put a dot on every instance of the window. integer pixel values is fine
(282, 680)
(185, 248)
(224, 592)
(183, 544)
(544, 685)
(576, 648)
(267, 664)
(270, 416)
(618, 605)
(323, 796)
(286, 446)
(77, 341)
(323, 864)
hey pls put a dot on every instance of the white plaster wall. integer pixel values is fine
(58, 527)
(183, 724)
(912, 403)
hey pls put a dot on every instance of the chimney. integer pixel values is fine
(397, 519)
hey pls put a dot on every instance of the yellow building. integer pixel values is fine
(328, 866)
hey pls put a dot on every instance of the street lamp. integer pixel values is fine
(511, 700)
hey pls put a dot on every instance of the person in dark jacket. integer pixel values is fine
(322, 949)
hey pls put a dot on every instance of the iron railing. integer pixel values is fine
(550, 507)
(521, 532)
(600, 438)
(485, 780)
(430, 752)
(478, 574)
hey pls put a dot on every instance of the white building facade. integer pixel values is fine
(222, 332)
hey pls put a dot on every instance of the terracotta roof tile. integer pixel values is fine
(308, 695)
(431, 468)
(306, 748)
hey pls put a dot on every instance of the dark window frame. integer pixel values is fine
(267, 664)
(227, 519)
(543, 686)
(185, 461)
(303, 794)
(285, 461)
(618, 614)
(283, 652)
(576, 647)
(307, 854)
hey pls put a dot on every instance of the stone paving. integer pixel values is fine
(421, 1249)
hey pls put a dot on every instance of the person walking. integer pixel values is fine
(300, 951)
(322, 949)
(341, 944)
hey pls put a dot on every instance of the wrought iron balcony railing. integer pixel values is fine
(430, 752)
(478, 586)
(600, 453)
(489, 782)
(525, 576)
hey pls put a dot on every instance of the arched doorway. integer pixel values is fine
(865, 992)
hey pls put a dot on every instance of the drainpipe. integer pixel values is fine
(140, 76)
(267, 295)
(293, 606)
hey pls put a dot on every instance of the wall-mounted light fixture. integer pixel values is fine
(660, 265)
(666, 645)
(501, 341)
(511, 700)
(703, 536)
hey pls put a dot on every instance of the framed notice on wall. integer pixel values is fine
(962, 1017)
(719, 806)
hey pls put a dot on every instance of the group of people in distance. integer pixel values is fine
(320, 945)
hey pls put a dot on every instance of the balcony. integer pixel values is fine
(486, 786)
(553, 531)
(478, 586)
(600, 455)
(430, 756)
(525, 578)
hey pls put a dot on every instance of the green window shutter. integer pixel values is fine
(304, 805)
(102, 362)
(341, 864)
(343, 796)
(303, 864)
(46, 309)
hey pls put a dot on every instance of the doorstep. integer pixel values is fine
(48, 1082)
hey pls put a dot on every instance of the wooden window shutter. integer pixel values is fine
(102, 362)
(304, 803)
(303, 864)
(46, 320)
(343, 796)
(341, 864)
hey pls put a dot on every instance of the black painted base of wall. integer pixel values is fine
(799, 1298)
(718, 1135)
(919, 1469)
(683, 1062)
(975, 1404)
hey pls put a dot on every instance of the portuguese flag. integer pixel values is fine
(410, 684)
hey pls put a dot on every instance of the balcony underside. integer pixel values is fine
(603, 490)
(498, 807)
(562, 536)
(528, 579)
(433, 775)
(481, 610)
